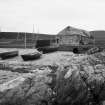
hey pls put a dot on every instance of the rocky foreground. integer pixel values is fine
(60, 78)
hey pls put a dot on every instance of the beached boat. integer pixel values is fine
(31, 56)
(47, 49)
(9, 54)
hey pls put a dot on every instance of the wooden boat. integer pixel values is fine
(34, 55)
(48, 49)
(31, 56)
(9, 54)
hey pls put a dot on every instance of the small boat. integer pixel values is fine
(31, 56)
(48, 49)
(9, 54)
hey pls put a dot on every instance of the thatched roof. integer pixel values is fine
(74, 31)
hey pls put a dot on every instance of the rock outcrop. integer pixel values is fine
(74, 79)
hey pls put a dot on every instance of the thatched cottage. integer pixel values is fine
(74, 36)
(71, 36)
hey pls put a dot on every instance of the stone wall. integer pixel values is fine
(69, 40)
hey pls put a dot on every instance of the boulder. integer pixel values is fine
(28, 89)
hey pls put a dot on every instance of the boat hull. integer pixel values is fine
(48, 49)
(7, 55)
(28, 57)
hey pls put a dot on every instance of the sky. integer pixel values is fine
(51, 16)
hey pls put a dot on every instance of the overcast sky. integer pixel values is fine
(51, 16)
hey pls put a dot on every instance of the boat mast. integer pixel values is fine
(36, 37)
(33, 37)
(18, 36)
(25, 40)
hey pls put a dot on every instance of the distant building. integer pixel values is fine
(73, 39)
(73, 36)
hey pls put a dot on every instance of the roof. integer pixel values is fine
(73, 31)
